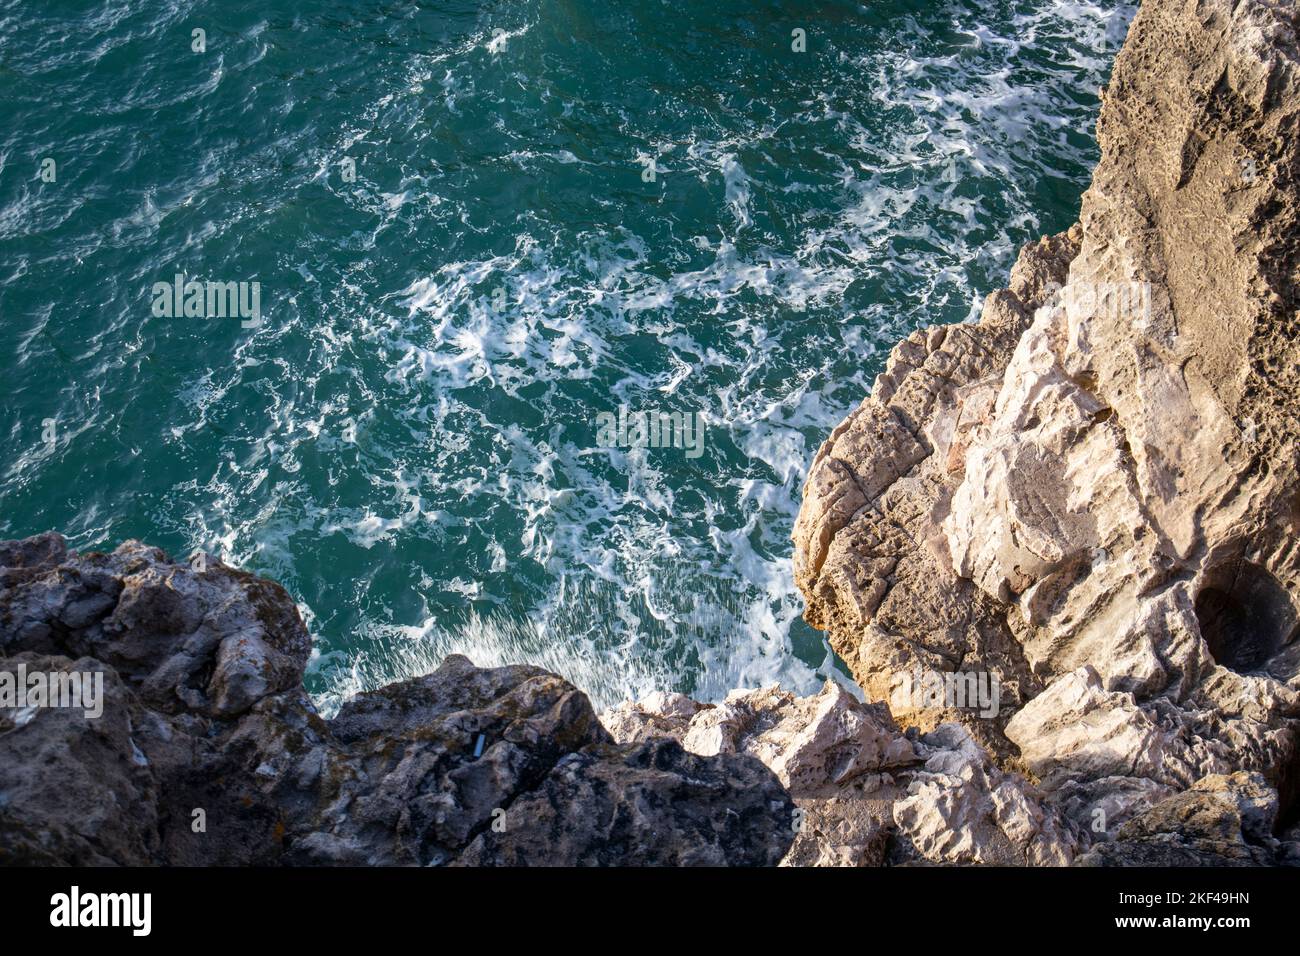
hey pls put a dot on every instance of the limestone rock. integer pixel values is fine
(867, 793)
(1220, 821)
(1090, 494)
(961, 809)
(810, 743)
(1078, 726)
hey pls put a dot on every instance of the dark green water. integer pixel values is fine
(407, 440)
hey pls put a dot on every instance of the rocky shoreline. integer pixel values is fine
(1082, 509)
(209, 751)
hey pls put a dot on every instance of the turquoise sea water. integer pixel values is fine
(407, 440)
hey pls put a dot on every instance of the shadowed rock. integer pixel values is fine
(208, 751)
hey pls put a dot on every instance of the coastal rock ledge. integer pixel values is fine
(207, 750)
(1087, 501)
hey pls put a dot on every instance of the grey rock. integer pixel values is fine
(208, 750)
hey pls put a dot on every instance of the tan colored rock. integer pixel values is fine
(962, 809)
(1078, 726)
(870, 554)
(810, 743)
(1092, 493)
(837, 755)
(1222, 820)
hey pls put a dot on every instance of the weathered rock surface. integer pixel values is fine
(1091, 495)
(208, 751)
(868, 793)
(1220, 821)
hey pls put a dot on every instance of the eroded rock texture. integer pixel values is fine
(1091, 494)
(208, 751)
(868, 793)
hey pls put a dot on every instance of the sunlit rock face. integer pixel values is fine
(1092, 492)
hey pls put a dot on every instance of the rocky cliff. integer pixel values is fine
(1085, 506)
(1057, 549)
(208, 751)
(1090, 496)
